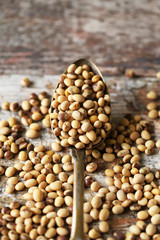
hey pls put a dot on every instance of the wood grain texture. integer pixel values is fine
(44, 36)
(127, 96)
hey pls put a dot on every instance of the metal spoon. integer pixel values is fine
(77, 232)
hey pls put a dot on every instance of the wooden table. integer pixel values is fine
(39, 39)
(127, 96)
(44, 36)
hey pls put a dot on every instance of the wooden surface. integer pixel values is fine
(127, 96)
(40, 38)
(44, 36)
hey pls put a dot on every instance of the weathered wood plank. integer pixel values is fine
(44, 36)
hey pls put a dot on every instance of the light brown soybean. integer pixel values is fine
(64, 105)
(14, 148)
(77, 115)
(93, 234)
(30, 183)
(62, 176)
(10, 189)
(96, 202)
(12, 181)
(95, 186)
(22, 156)
(138, 195)
(3, 138)
(91, 135)
(109, 173)
(63, 213)
(10, 171)
(103, 117)
(149, 177)
(88, 104)
(87, 207)
(108, 157)
(94, 214)
(50, 233)
(141, 148)
(59, 221)
(13, 235)
(104, 227)
(56, 147)
(153, 114)
(59, 201)
(62, 231)
(68, 201)
(26, 106)
(142, 215)
(85, 73)
(155, 219)
(46, 123)
(144, 236)
(156, 236)
(104, 214)
(143, 202)
(152, 95)
(25, 213)
(72, 68)
(80, 145)
(149, 144)
(19, 186)
(78, 98)
(84, 139)
(68, 166)
(32, 133)
(4, 123)
(33, 233)
(145, 135)
(153, 210)
(91, 167)
(151, 229)
(56, 185)
(122, 153)
(134, 230)
(57, 168)
(134, 136)
(37, 195)
(121, 195)
(118, 209)
(150, 106)
(4, 130)
(25, 82)
(48, 209)
(5, 106)
(141, 225)
(138, 178)
(75, 124)
(35, 126)
(36, 116)
(110, 196)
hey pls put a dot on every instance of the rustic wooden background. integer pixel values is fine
(40, 38)
(44, 36)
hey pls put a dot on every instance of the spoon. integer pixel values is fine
(77, 231)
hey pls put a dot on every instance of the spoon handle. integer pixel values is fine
(77, 232)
